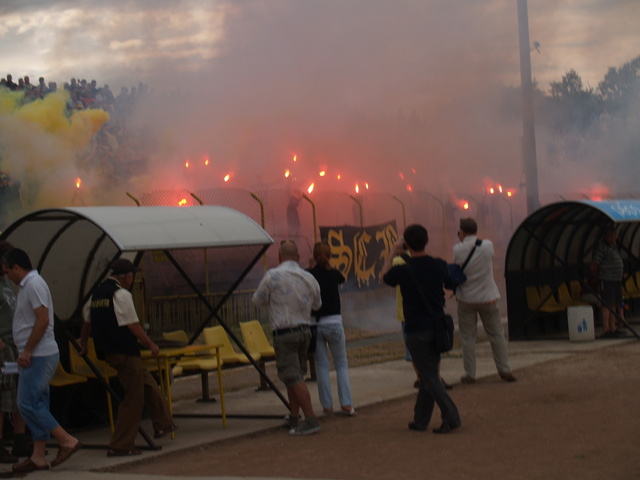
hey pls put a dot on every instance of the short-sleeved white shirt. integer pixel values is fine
(34, 293)
(123, 307)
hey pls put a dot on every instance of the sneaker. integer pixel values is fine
(6, 457)
(291, 421)
(306, 427)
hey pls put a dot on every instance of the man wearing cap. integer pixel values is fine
(110, 317)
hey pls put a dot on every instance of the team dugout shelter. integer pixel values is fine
(548, 262)
(72, 249)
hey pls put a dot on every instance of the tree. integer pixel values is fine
(621, 87)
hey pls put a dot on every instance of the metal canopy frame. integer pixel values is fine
(72, 249)
(553, 246)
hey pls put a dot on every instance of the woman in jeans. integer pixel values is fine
(330, 333)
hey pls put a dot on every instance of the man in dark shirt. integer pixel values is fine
(431, 273)
(112, 321)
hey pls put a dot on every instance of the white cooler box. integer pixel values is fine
(580, 320)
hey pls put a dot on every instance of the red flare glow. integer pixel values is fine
(366, 185)
(357, 188)
(295, 158)
(186, 164)
(287, 173)
(401, 175)
(310, 189)
(409, 188)
(491, 190)
(339, 176)
(227, 177)
(322, 173)
(78, 182)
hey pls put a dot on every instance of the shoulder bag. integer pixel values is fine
(456, 272)
(443, 333)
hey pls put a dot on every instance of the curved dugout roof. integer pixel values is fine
(564, 233)
(554, 246)
(73, 247)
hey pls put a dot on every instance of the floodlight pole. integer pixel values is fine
(528, 128)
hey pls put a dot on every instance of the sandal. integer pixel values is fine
(349, 411)
(165, 431)
(27, 466)
(115, 452)
(64, 453)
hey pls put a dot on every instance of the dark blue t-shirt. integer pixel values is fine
(432, 273)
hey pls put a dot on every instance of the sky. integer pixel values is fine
(260, 81)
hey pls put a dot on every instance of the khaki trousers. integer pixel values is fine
(140, 391)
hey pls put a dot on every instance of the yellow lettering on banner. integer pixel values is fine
(341, 254)
(363, 274)
(389, 237)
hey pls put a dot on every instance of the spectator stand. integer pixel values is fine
(550, 253)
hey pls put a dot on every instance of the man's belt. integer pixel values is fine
(284, 331)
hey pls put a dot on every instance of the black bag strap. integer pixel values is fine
(478, 243)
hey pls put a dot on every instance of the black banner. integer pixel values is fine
(360, 252)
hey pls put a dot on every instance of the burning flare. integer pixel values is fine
(310, 189)
(287, 173)
(227, 177)
(78, 182)
(182, 202)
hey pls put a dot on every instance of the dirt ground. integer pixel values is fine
(561, 420)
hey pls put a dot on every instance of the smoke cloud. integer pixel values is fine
(400, 95)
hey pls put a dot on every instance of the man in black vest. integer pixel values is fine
(110, 317)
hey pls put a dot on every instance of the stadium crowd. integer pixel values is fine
(118, 150)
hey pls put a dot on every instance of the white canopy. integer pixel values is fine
(72, 247)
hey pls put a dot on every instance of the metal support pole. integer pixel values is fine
(360, 206)
(255, 197)
(313, 213)
(133, 198)
(404, 212)
(205, 252)
(444, 223)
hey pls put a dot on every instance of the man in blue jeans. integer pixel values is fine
(38, 359)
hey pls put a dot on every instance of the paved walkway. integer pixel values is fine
(370, 384)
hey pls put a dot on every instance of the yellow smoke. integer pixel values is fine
(40, 143)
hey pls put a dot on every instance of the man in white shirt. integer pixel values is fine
(38, 359)
(291, 293)
(479, 295)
